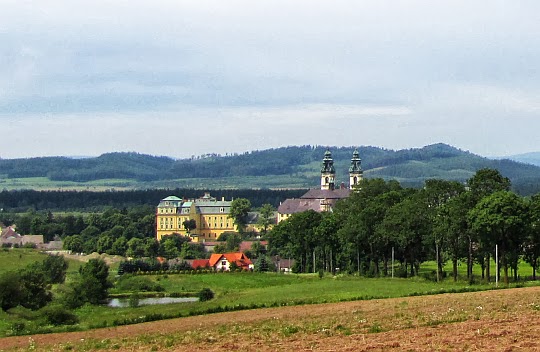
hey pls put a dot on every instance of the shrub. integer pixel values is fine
(58, 315)
(137, 284)
(18, 328)
(205, 294)
(134, 300)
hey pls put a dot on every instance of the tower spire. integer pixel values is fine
(328, 172)
(355, 170)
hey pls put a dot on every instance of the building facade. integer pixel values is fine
(325, 198)
(209, 216)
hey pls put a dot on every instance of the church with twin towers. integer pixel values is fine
(325, 198)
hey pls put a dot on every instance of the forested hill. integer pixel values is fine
(295, 166)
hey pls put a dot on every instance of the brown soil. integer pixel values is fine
(504, 320)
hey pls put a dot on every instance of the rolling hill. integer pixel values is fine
(287, 167)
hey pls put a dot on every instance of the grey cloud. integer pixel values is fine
(452, 65)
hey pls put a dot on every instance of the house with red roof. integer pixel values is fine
(10, 236)
(199, 263)
(224, 261)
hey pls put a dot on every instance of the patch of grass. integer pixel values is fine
(18, 258)
(375, 328)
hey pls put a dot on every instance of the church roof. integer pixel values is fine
(338, 193)
(298, 205)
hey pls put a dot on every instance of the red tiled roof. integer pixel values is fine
(9, 232)
(239, 258)
(200, 263)
(246, 245)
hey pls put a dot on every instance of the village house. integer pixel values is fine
(223, 262)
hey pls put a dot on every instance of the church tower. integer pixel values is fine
(328, 173)
(355, 171)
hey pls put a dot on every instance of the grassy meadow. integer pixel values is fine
(233, 291)
(299, 180)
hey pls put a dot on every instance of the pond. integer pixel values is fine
(124, 302)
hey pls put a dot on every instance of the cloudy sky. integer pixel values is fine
(182, 78)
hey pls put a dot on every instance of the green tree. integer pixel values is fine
(240, 208)
(487, 181)
(73, 243)
(297, 237)
(151, 247)
(257, 249)
(266, 217)
(328, 244)
(500, 219)
(34, 287)
(233, 242)
(359, 217)
(10, 290)
(407, 224)
(105, 243)
(120, 246)
(135, 248)
(93, 282)
(261, 265)
(451, 228)
(532, 240)
(189, 225)
(54, 268)
(169, 248)
(436, 194)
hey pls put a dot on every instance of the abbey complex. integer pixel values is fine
(206, 218)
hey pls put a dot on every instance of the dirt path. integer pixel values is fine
(504, 320)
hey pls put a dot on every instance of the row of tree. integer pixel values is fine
(443, 221)
(22, 200)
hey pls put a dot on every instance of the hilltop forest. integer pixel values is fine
(287, 167)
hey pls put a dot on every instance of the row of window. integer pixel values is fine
(184, 210)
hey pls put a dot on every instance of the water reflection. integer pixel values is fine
(124, 302)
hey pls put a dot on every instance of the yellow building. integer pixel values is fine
(211, 217)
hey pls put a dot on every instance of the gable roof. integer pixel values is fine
(9, 232)
(199, 263)
(238, 258)
(297, 205)
(246, 245)
(338, 193)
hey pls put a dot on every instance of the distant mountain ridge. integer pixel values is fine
(532, 158)
(286, 167)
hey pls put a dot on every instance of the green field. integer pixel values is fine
(15, 259)
(232, 291)
(252, 182)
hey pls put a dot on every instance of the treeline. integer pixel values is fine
(411, 166)
(23, 200)
(443, 221)
(129, 223)
(127, 232)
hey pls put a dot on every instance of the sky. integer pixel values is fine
(181, 78)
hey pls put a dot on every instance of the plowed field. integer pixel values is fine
(503, 320)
